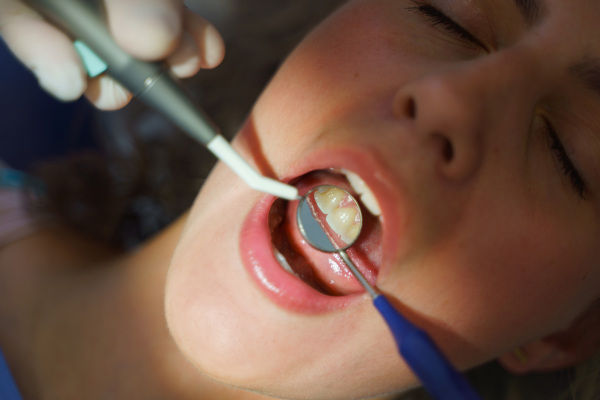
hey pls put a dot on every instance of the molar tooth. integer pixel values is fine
(361, 188)
(329, 198)
(341, 219)
(351, 234)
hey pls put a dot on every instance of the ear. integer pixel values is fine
(559, 350)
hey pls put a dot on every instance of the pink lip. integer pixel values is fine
(281, 287)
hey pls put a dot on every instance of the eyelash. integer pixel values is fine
(436, 17)
(567, 167)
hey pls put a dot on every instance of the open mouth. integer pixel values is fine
(327, 272)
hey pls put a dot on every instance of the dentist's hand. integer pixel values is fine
(148, 29)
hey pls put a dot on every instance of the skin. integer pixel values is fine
(508, 258)
(117, 346)
(150, 30)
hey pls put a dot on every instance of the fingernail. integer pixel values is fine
(66, 82)
(108, 94)
(213, 47)
(185, 62)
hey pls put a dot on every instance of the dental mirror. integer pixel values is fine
(329, 218)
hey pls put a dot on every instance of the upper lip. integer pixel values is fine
(260, 261)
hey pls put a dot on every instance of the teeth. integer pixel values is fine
(351, 234)
(342, 220)
(328, 199)
(366, 195)
(369, 201)
(283, 262)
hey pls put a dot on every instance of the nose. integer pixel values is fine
(448, 114)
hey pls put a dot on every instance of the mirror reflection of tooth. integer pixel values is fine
(370, 202)
(329, 218)
(341, 219)
(351, 234)
(329, 199)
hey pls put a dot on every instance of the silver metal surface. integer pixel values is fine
(311, 228)
(358, 274)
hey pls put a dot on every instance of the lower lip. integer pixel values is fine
(283, 288)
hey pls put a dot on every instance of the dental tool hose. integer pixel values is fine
(421, 354)
(149, 82)
(438, 376)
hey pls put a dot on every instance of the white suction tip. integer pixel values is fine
(224, 152)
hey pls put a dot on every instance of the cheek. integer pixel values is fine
(334, 73)
(496, 279)
(204, 259)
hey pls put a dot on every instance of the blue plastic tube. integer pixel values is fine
(8, 387)
(441, 380)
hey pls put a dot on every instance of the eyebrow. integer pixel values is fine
(531, 10)
(588, 72)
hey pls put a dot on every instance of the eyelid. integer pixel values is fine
(480, 37)
(562, 153)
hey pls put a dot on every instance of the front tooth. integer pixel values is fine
(341, 220)
(366, 195)
(283, 261)
(328, 198)
(369, 201)
(355, 181)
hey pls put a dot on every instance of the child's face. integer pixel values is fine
(488, 236)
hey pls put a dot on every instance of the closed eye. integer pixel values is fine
(566, 165)
(436, 17)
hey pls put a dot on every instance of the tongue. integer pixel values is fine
(327, 271)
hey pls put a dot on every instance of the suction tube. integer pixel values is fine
(84, 20)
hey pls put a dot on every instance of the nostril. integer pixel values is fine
(447, 150)
(410, 108)
(404, 107)
(455, 159)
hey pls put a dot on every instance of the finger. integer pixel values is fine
(107, 94)
(201, 47)
(43, 49)
(208, 40)
(185, 62)
(147, 29)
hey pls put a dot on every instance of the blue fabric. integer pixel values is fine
(35, 127)
(11, 178)
(8, 387)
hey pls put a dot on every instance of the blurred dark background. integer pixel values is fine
(33, 125)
